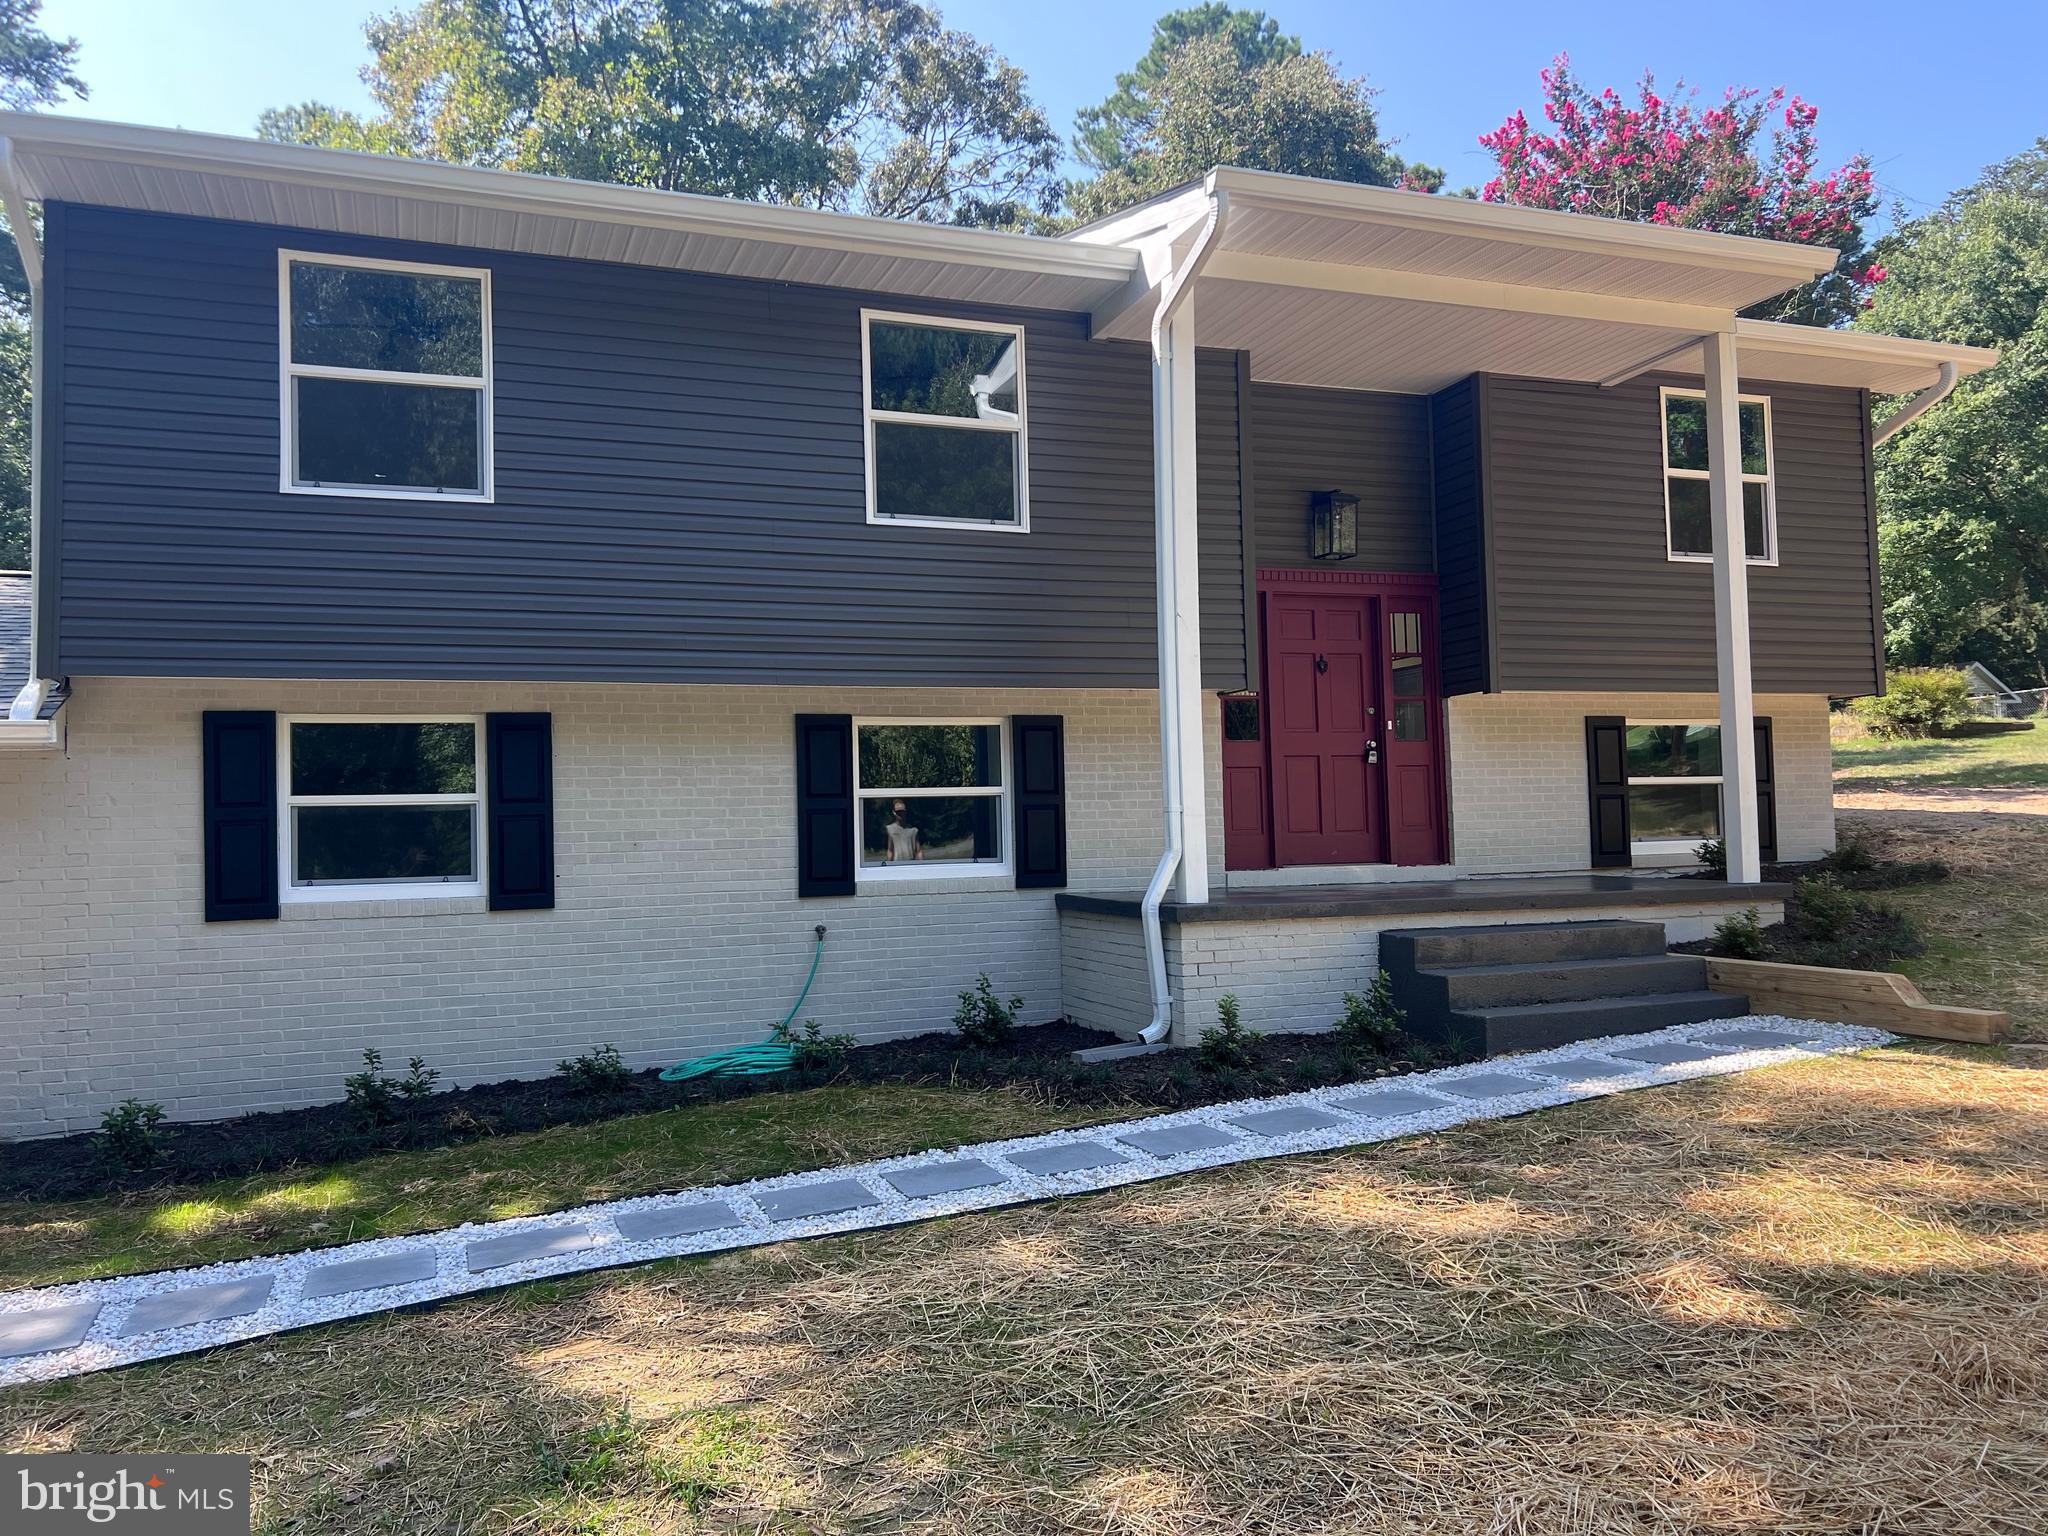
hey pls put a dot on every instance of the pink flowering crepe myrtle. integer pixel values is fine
(1663, 161)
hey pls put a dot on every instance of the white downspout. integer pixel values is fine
(27, 705)
(1173, 293)
(1918, 406)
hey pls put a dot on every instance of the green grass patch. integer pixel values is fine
(423, 1191)
(2011, 760)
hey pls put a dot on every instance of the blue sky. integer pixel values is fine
(1930, 92)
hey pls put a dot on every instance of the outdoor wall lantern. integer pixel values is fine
(1333, 526)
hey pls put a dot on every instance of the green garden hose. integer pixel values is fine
(774, 1054)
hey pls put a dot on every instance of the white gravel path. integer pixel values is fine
(99, 1324)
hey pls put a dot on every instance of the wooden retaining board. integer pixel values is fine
(1879, 999)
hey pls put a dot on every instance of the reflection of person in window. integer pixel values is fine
(905, 845)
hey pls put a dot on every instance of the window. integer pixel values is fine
(1674, 786)
(379, 807)
(1404, 648)
(386, 378)
(1688, 516)
(931, 796)
(945, 422)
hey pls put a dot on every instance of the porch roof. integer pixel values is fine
(1330, 284)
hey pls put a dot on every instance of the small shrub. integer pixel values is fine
(1227, 1046)
(603, 1070)
(982, 1018)
(1713, 856)
(811, 1047)
(1820, 911)
(374, 1094)
(1852, 855)
(1917, 702)
(129, 1133)
(1740, 936)
(1373, 1022)
(419, 1078)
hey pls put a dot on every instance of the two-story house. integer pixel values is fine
(481, 616)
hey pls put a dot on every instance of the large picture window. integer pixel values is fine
(379, 807)
(386, 377)
(944, 412)
(932, 797)
(1688, 512)
(1674, 787)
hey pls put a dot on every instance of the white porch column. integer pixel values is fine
(1731, 611)
(1181, 715)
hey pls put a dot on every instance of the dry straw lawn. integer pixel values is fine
(1807, 1300)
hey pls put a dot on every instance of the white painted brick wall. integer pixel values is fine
(1518, 773)
(677, 928)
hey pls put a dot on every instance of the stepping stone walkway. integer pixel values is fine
(67, 1330)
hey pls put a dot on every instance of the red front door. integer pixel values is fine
(1323, 666)
(1353, 758)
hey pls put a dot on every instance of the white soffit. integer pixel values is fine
(1352, 341)
(60, 159)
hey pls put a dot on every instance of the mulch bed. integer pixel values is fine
(1039, 1060)
(1865, 936)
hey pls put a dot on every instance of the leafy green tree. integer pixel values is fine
(1107, 136)
(1294, 114)
(1963, 492)
(35, 69)
(867, 105)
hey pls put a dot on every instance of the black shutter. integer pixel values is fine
(1038, 753)
(240, 814)
(520, 753)
(1766, 794)
(824, 805)
(1607, 789)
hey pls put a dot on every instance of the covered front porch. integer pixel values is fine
(1322, 288)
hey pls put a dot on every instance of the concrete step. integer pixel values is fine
(1564, 981)
(1518, 943)
(1535, 1026)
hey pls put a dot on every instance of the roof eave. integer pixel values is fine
(349, 171)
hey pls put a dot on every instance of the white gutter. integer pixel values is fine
(1918, 406)
(339, 174)
(1173, 292)
(22, 725)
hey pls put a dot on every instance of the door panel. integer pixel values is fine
(1301, 783)
(1323, 664)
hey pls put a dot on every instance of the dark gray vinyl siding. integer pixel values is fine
(1462, 633)
(679, 490)
(1219, 520)
(1374, 446)
(1584, 595)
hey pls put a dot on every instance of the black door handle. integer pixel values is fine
(1322, 662)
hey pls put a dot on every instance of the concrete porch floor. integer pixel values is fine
(1492, 893)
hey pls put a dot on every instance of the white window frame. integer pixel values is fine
(1675, 850)
(1019, 426)
(1768, 479)
(883, 874)
(377, 890)
(290, 372)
